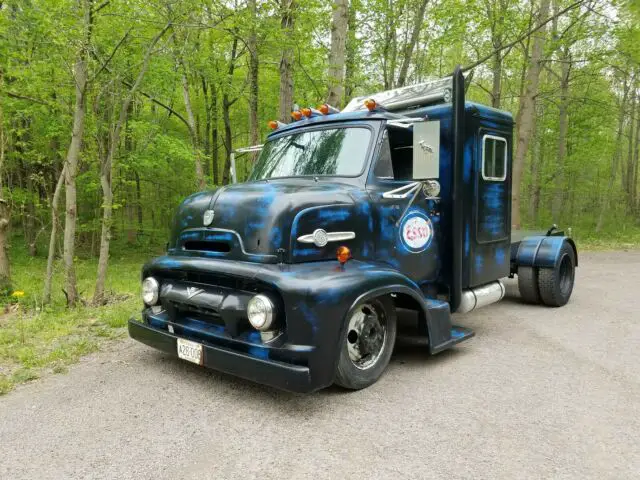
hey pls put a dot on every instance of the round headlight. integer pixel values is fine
(150, 289)
(260, 312)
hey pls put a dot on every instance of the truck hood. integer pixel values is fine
(254, 221)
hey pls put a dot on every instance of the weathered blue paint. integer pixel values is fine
(251, 246)
(492, 223)
(541, 251)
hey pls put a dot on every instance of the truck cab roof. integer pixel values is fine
(472, 108)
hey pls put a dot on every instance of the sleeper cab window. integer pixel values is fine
(494, 158)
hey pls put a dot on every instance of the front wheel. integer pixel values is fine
(367, 343)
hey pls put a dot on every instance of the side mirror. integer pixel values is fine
(426, 150)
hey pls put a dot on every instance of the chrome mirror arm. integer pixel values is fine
(428, 187)
(403, 191)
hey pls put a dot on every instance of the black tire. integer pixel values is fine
(556, 284)
(349, 375)
(528, 284)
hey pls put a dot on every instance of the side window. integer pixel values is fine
(396, 155)
(494, 158)
(384, 168)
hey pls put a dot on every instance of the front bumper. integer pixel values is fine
(293, 378)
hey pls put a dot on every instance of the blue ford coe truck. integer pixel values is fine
(402, 200)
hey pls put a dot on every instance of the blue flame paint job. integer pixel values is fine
(492, 223)
(457, 333)
(541, 251)
(258, 223)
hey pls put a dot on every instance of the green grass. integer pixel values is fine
(37, 339)
(612, 242)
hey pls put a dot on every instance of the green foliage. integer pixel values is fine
(36, 339)
(155, 161)
(155, 164)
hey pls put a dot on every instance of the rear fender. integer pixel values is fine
(541, 251)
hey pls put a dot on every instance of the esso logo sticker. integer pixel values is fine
(416, 232)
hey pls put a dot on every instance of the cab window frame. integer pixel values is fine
(495, 138)
(325, 126)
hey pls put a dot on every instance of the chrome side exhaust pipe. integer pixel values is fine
(481, 296)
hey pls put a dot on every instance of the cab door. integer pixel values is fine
(492, 212)
(405, 224)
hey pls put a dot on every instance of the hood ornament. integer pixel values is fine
(208, 217)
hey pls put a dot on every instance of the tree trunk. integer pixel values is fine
(5, 212)
(411, 44)
(193, 133)
(5, 217)
(215, 169)
(55, 203)
(336, 72)
(28, 208)
(286, 62)
(537, 162)
(105, 234)
(207, 127)
(616, 158)
(252, 45)
(228, 139)
(496, 89)
(106, 174)
(139, 202)
(626, 180)
(351, 49)
(226, 113)
(496, 11)
(73, 154)
(5, 269)
(633, 193)
(526, 113)
(633, 145)
(563, 126)
(389, 33)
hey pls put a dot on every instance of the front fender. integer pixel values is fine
(316, 297)
(319, 297)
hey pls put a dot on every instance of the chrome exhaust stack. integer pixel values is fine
(481, 296)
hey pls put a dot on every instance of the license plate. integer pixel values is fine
(190, 351)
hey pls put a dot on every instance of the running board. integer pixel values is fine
(458, 334)
(437, 333)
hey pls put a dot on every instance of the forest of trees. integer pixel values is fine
(112, 111)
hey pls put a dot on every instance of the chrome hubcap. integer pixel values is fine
(366, 336)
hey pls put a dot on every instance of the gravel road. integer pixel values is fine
(538, 393)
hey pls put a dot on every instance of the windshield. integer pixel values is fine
(335, 151)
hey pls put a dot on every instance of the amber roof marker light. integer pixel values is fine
(326, 109)
(296, 115)
(371, 104)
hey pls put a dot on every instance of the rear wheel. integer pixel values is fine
(528, 284)
(367, 343)
(556, 284)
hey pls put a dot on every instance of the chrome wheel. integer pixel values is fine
(366, 336)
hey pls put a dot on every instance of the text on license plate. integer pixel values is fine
(190, 351)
